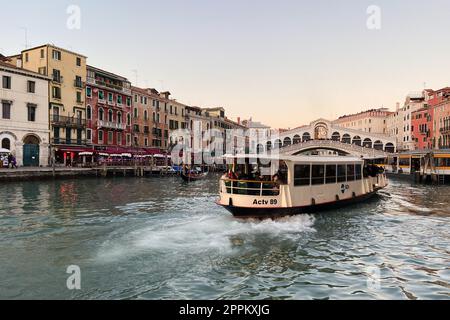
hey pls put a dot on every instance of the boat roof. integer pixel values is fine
(296, 158)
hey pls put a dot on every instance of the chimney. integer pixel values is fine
(19, 63)
(239, 120)
(398, 106)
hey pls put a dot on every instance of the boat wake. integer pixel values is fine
(201, 234)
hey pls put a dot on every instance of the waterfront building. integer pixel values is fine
(399, 123)
(176, 117)
(422, 127)
(143, 118)
(67, 108)
(371, 121)
(155, 116)
(442, 120)
(24, 126)
(108, 111)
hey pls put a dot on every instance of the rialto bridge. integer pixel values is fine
(322, 134)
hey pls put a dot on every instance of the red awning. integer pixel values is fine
(73, 149)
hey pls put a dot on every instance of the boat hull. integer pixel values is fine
(265, 213)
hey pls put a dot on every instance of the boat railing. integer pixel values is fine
(252, 187)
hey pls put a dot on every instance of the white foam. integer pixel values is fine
(202, 233)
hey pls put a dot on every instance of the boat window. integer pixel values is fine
(358, 172)
(331, 173)
(404, 162)
(341, 173)
(318, 174)
(302, 175)
(350, 172)
(442, 162)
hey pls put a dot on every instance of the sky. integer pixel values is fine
(284, 63)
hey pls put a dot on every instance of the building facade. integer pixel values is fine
(399, 123)
(441, 120)
(442, 129)
(422, 128)
(108, 110)
(370, 121)
(24, 126)
(67, 108)
(143, 117)
(155, 116)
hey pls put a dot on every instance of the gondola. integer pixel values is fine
(192, 177)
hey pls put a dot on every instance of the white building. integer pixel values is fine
(24, 117)
(399, 123)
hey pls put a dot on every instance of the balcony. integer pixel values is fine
(71, 142)
(78, 84)
(69, 122)
(57, 79)
(112, 125)
(444, 130)
(109, 86)
(111, 103)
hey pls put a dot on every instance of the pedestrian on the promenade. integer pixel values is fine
(10, 158)
(14, 163)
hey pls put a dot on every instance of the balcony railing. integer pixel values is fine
(110, 86)
(58, 80)
(112, 125)
(68, 121)
(445, 130)
(78, 84)
(72, 142)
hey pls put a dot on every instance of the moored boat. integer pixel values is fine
(275, 186)
(193, 176)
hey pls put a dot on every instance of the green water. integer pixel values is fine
(160, 238)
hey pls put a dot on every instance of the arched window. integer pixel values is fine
(389, 147)
(269, 145)
(378, 145)
(101, 114)
(6, 144)
(128, 119)
(119, 117)
(346, 138)
(31, 139)
(357, 140)
(145, 115)
(336, 136)
(297, 139)
(88, 113)
(278, 144)
(110, 116)
(287, 142)
(306, 137)
(367, 143)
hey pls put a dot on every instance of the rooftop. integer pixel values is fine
(16, 69)
(54, 47)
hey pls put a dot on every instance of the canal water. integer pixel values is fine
(160, 238)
